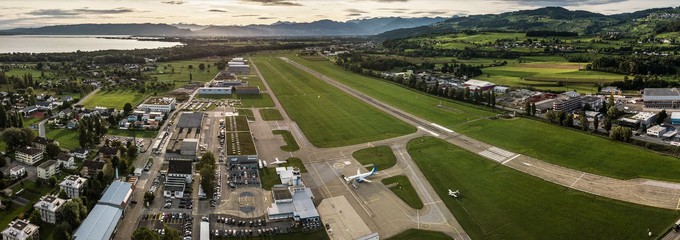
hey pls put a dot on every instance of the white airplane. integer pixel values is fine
(361, 177)
(277, 162)
(454, 193)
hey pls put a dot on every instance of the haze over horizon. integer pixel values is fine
(36, 13)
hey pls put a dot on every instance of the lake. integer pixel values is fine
(72, 43)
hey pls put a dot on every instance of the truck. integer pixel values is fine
(205, 230)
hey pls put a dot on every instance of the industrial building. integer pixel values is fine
(594, 102)
(475, 85)
(214, 91)
(661, 98)
(656, 131)
(183, 141)
(158, 104)
(675, 118)
(238, 66)
(255, 90)
(292, 202)
(638, 120)
(21, 230)
(567, 102)
(104, 218)
(179, 174)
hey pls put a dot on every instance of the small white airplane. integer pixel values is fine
(454, 193)
(277, 162)
(361, 177)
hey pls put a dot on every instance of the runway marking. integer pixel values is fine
(430, 132)
(579, 178)
(506, 161)
(433, 202)
(528, 164)
(442, 128)
(678, 206)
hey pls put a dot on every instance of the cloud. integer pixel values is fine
(274, 2)
(79, 11)
(246, 15)
(352, 10)
(562, 2)
(263, 18)
(218, 10)
(174, 2)
(354, 14)
(430, 12)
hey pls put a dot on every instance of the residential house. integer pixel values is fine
(41, 142)
(48, 169)
(29, 155)
(92, 168)
(17, 173)
(73, 186)
(66, 160)
(21, 230)
(80, 153)
(66, 113)
(43, 105)
(50, 208)
(27, 111)
(72, 124)
(106, 153)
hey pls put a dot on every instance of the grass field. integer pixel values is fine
(417, 234)
(67, 138)
(381, 156)
(404, 190)
(181, 74)
(30, 121)
(255, 101)
(573, 149)
(547, 75)
(130, 133)
(32, 192)
(328, 116)
(560, 146)
(425, 106)
(114, 99)
(497, 202)
(291, 144)
(271, 114)
(246, 112)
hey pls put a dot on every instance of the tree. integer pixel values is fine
(62, 231)
(52, 150)
(53, 181)
(144, 233)
(170, 233)
(607, 124)
(208, 181)
(583, 121)
(115, 160)
(527, 108)
(3, 117)
(72, 212)
(127, 108)
(596, 124)
(149, 197)
(533, 109)
(201, 66)
(612, 112)
(661, 117)
(568, 120)
(14, 138)
(82, 134)
(35, 218)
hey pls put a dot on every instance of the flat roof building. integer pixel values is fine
(189, 147)
(299, 207)
(641, 119)
(158, 104)
(103, 220)
(214, 91)
(675, 118)
(73, 185)
(29, 155)
(474, 85)
(21, 230)
(48, 169)
(661, 98)
(50, 208)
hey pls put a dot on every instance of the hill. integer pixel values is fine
(550, 18)
(317, 28)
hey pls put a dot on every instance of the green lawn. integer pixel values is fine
(67, 138)
(418, 234)
(327, 116)
(181, 74)
(404, 190)
(573, 149)
(246, 112)
(560, 146)
(30, 121)
(32, 192)
(291, 144)
(271, 114)
(114, 99)
(381, 156)
(498, 202)
(130, 133)
(411, 101)
(255, 101)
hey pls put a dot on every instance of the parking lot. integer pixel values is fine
(222, 225)
(182, 222)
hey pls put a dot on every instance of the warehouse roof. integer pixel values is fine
(100, 223)
(661, 92)
(116, 194)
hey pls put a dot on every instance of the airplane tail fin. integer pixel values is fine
(374, 170)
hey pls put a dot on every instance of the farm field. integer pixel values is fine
(291, 144)
(556, 76)
(425, 106)
(246, 112)
(404, 190)
(573, 149)
(413, 234)
(380, 156)
(67, 138)
(271, 114)
(328, 116)
(114, 99)
(501, 203)
(598, 156)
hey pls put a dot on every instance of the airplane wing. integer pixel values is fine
(365, 180)
(358, 171)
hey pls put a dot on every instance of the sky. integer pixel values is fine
(34, 13)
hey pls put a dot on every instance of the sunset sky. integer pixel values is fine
(32, 13)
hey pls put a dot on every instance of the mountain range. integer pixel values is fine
(638, 23)
(359, 27)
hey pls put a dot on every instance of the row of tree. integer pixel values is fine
(206, 167)
(90, 130)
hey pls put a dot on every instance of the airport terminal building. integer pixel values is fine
(661, 98)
